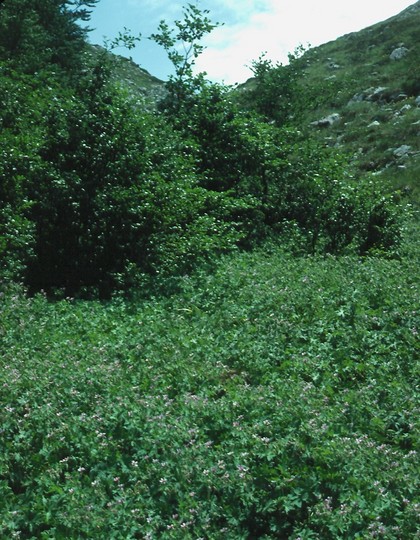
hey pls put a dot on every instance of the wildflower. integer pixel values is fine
(327, 503)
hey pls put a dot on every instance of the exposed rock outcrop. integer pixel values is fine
(398, 53)
(327, 121)
(403, 150)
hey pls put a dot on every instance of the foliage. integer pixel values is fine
(183, 45)
(98, 194)
(272, 398)
(290, 183)
(37, 33)
(275, 93)
(22, 99)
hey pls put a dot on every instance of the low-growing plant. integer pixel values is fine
(273, 397)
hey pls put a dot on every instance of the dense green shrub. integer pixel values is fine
(22, 101)
(90, 187)
(100, 191)
(274, 397)
(275, 93)
(114, 189)
(96, 194)
(292, 182)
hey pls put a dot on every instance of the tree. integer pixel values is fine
(183, 46)
(35, 34)
(276, 94)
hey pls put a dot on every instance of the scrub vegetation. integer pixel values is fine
(208, 318)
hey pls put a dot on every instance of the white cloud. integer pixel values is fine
(279, 26)
(250, 28)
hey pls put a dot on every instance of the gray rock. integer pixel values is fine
(398, 53)
(327, 121)
(370, 94)
(375, 123)
(398, 97)
(376, 94)
(357, 98)
(405, 108)
(417, 101)
(403, 150)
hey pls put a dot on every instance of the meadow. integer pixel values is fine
(271, 397)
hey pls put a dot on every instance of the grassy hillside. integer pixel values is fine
(374, 97)
(145, 89)
(357, 66)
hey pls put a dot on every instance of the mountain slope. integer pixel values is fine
(371, 79)
(143, 87)
(361, 95)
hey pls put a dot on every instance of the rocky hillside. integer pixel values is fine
(369, 87)
(361, 95)
(143, 87)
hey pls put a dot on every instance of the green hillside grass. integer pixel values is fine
(143, 88)
(328, 78)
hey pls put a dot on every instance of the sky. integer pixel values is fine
(250, 28)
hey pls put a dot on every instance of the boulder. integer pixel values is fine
(417, 101)
(370, 94)
(376, 94)
(398, 53)
(405, 108)
(357, 98)
(327, 121)
(398, 97)
(403, 150)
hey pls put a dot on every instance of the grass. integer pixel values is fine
(362, 61)
(274, 397)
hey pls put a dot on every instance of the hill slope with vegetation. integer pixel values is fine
(359, 94)
(208, 316)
